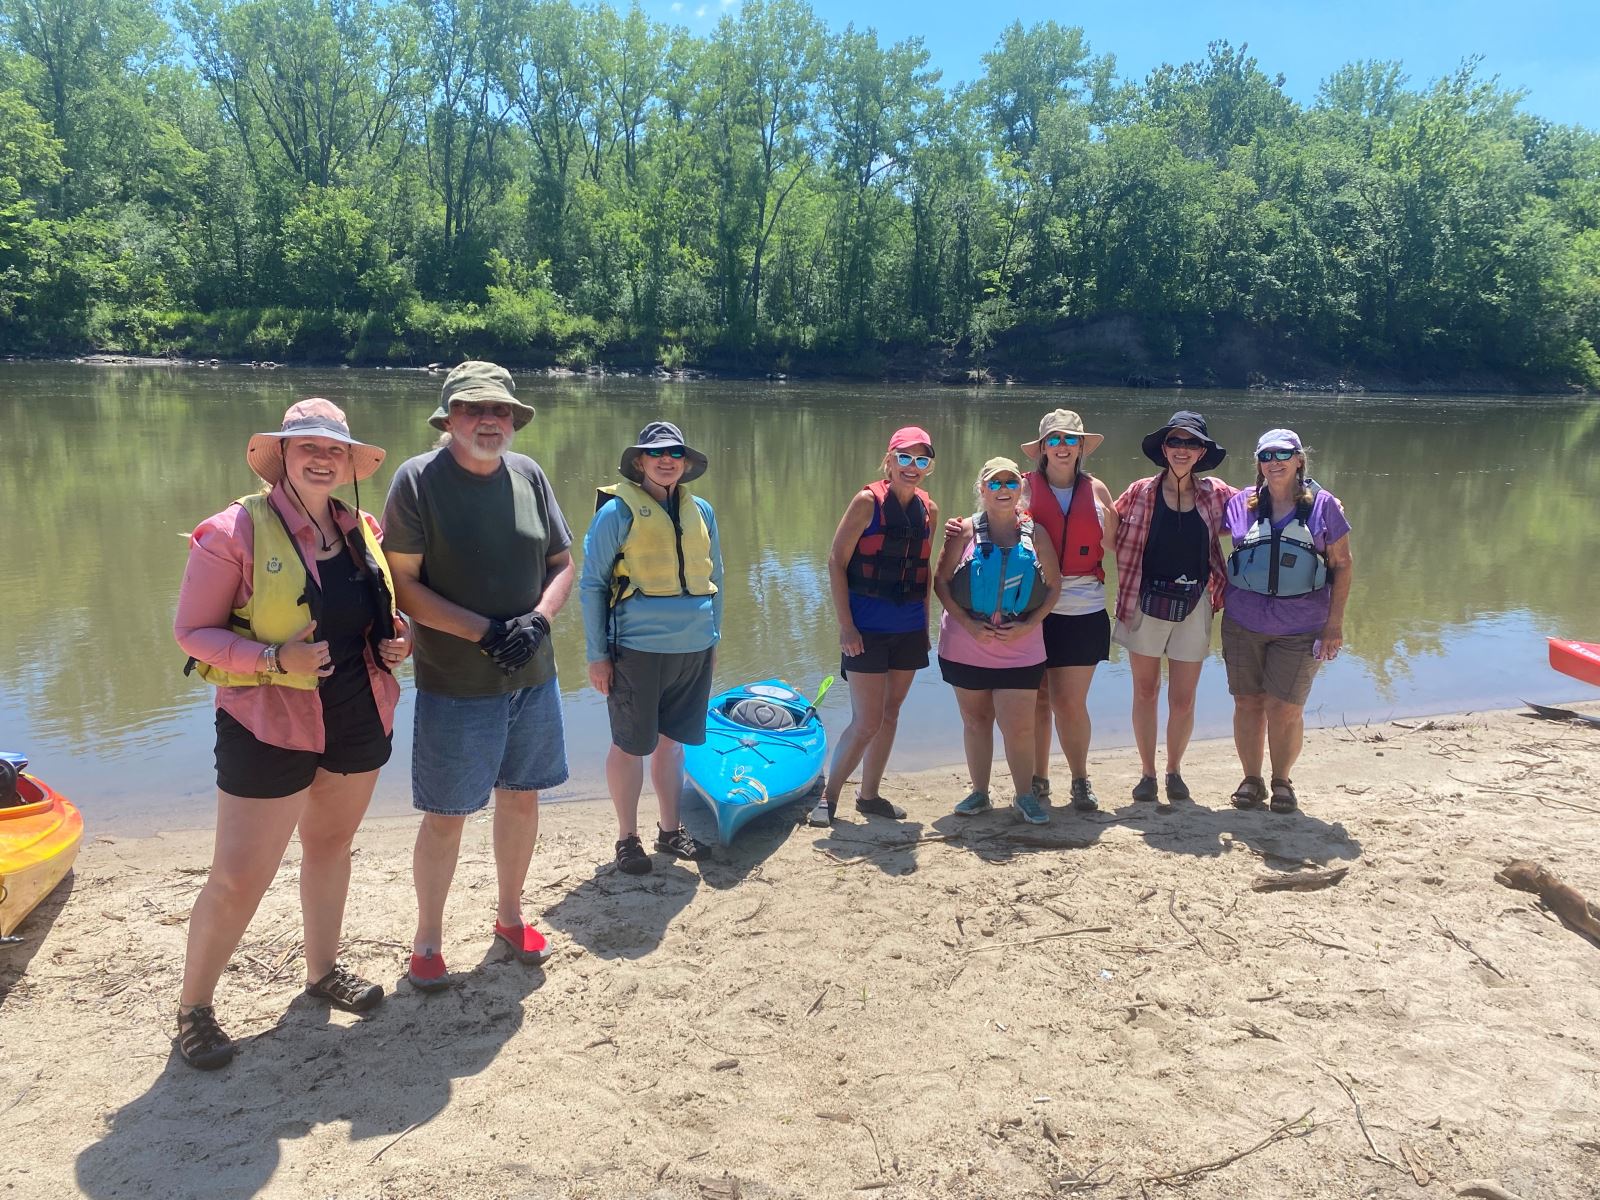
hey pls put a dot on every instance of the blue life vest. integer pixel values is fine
(994, 579)
(1279, 562)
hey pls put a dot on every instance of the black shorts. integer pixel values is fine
(654, 694)
(1077, 641)
(885, 652)
(991, 679)
(249, 767)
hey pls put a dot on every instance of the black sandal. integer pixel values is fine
(1283, 798)
(343, 988)
(201, 1041)
(1251, 793)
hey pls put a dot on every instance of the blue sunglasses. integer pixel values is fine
(1275, 455)
(665, 452)
(1010, 485)
(920, 461)
(1062, 439)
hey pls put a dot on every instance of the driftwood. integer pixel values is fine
(1300, 881)
(1563, 899)
(1485, 1189)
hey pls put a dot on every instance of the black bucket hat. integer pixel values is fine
(662, 434)
(1188, 422)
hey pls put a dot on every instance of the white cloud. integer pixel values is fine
(677, 7)
(700, 12)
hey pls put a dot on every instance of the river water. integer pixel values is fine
(1475, 538)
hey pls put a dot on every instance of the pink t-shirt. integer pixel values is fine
(957, 645)
(218, 580)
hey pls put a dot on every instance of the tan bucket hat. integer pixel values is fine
(1062, 420)
(314, 417)
(477, 381)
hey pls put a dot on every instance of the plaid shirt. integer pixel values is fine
(1137, 509)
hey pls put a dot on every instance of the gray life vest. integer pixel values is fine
(1279, 562)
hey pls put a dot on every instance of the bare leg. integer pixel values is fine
(433, 866)
(666, 776)
(252, 835)
(516, 830)
(1286, 730)
(625, 780)
(1250, 731)
(1182, 680)
(1043, 725)
(866, 716)
(1069, 698)
(1146, 694)
(327, 827)
(977, 734)
(1014, 710)
(876, 758)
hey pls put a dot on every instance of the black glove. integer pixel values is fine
(510, 653)
(533, 627)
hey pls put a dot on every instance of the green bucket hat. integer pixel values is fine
(478, 382)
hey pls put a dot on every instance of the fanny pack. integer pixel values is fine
(1168, 599)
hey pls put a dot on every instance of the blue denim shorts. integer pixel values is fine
(463, 747)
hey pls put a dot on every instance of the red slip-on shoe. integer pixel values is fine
(526, 942)
(427, 972)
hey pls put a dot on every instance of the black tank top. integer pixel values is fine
(1178, 544)
(347, 613)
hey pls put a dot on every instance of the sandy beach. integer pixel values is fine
(944, 1007)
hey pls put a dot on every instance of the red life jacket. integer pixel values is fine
(891, 562)
(1076, 534)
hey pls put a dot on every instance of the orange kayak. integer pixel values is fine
(1581, 660)
(39, 840)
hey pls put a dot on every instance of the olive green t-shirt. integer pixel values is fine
(483, 540)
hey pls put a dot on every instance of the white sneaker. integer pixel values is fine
(821, 815)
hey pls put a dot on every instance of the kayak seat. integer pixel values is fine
(761, 714)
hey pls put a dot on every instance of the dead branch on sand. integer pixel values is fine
(1309, 881)
(1060, 933)
(1361, 1120)
(1289, 1129)
(1172, 907)
(1485, 1189)
(1467, 946)
(1566, 901)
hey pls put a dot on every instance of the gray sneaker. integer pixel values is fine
(976, 802)
(1041, 786)
(1032, 811)
(1083, 797)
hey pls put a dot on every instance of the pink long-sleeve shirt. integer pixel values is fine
(218, 580)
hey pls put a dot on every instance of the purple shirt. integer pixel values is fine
(1280, 615)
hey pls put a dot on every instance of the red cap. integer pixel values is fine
(910, 435)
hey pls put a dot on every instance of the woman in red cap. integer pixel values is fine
(878, 570)
(288, 609)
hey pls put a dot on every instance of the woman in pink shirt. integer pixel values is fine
(287, 608)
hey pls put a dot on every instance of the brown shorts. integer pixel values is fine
(1278, 664)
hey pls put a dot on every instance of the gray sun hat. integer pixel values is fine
(662, 434)
(478, 382)
(314, 417)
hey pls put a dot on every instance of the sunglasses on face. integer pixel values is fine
(477, 412)
(1177, 443)
(1010, 485)
(664, 452)
(1062, 439)
(1276, 455)
(920, 461)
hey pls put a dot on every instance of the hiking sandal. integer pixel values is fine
(201, 1042)
(343, 988)
(1283, 798)
(1251, 793)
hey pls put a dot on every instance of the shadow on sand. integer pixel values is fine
(33, 932)
(197, 1133)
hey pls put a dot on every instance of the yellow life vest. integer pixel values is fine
(660, 557)
(282, 594)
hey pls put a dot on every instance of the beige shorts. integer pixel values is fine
(1188, 640)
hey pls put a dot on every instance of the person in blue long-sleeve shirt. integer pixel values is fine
(651, 593)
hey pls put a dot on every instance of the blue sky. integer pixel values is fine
(1550, 48)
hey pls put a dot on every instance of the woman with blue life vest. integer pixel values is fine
(1072, 510)
(879, 572)
(651, 592)
(1170, 577)
(287, 607)
(1288, 581)
(997, 580)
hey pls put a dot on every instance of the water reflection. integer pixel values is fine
(1474, 538)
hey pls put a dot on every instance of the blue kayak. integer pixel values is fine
(762, 750)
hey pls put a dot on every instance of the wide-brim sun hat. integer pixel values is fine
(479, 382)
(1187, 422)
(662, 435)
(1063, 420)
(314, 417)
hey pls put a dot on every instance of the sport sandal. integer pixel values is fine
(1251, 793)
(201, 1042)
(1041, 787)
(681, 844)
(1083, 797)
(1283, 798)
(631, 857)
(343, 988)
